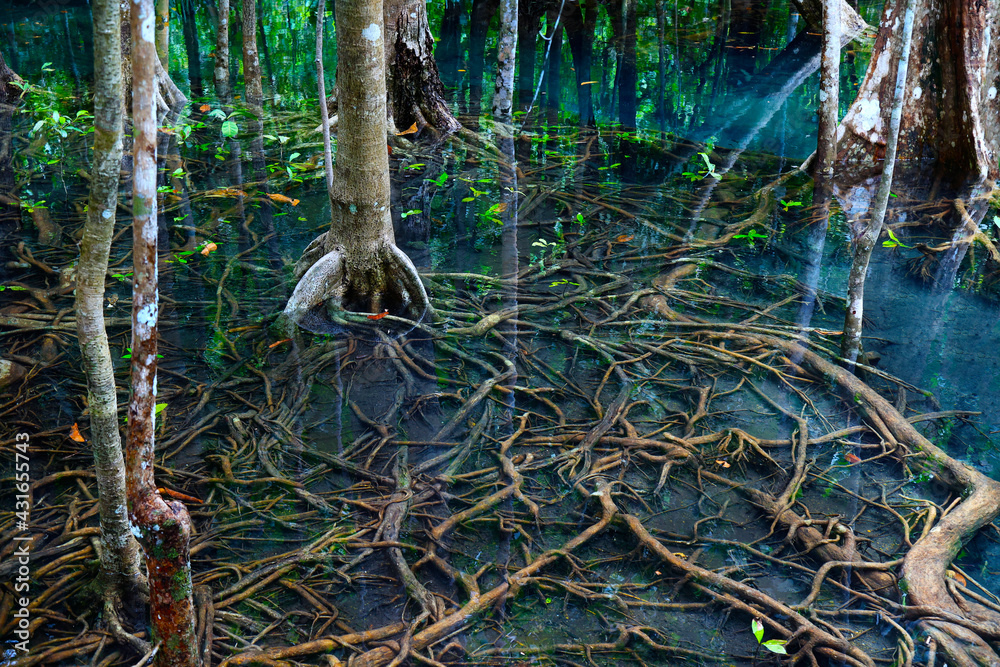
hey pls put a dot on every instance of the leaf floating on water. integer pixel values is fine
(410, 130)
(722, 462)
(204, 107)
(280, 342)
(624, 238)
(852, 458)
(74, 434)
(282, 199)
(378, 316)
(957, 576)
(209, 249)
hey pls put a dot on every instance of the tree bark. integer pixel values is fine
(529, 20)
(222, 52)
(628, 77)
(951, 116)
(191, 46)
(163, 528)
(503, 90)
(163, 32)
(829, 89)
(863, 245)
(416, 94)
(120, 563)
(251, 58)
(356, 265)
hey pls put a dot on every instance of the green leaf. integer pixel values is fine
(758, 629)
(160, 407)
(775, 646)
(441, 180)
(548, 600)
(230, 129)
(412, 211)
(417, 165)
(579, 218)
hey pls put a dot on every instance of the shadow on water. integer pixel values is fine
(600, 297)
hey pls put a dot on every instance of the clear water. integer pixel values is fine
(613, 201)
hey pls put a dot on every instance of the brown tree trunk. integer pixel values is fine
(416, 94)
(120, 563)
(356, 266)
(951, 115)
(163, 32)
(251, 59)
(163, 528)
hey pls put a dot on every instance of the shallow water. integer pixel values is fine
(614, 208)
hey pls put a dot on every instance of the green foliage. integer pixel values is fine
(772, 645)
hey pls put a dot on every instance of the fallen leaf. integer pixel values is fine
(74, 434)
(209, 249)
(378, 316)
(282, 199)
(624, 238)
(410, 130)
(852, 458)
(957, 576)
(204, 107)
(177, 495)
(276, 344)
(658, 572)
(501, 207)
(588, 83)
(722, 462)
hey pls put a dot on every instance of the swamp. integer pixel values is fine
(613, 417)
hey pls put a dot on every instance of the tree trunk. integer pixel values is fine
(120, 563)
(163, 32)
(416, 94)
(448, 53)
(163, 528)
(10, 207)
(251, 59)
(553, 65)
(628, 80)
(951, 117)
(503, 90)
(829, 89)
(191, 46)
(356, 265)
(480, 17)
(581, 19)
(529, 20)
(222, 52)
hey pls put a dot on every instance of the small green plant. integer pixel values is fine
(751, 236)
(893, 241)
(772, 645)
(412, 211)
(702, 173)
(789, 204)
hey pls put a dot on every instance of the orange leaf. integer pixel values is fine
(624, 238)
(852, 458)
(957, 576)
(274, 345)
(501, 207)
(390, 149)
(379, 316)
(282, 199)
(410, 130)
(722, 462)
(204, 107)
(209, 249)
(179, 496)
(74, 434)
(588, 83)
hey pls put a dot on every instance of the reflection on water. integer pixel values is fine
(578, 276)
